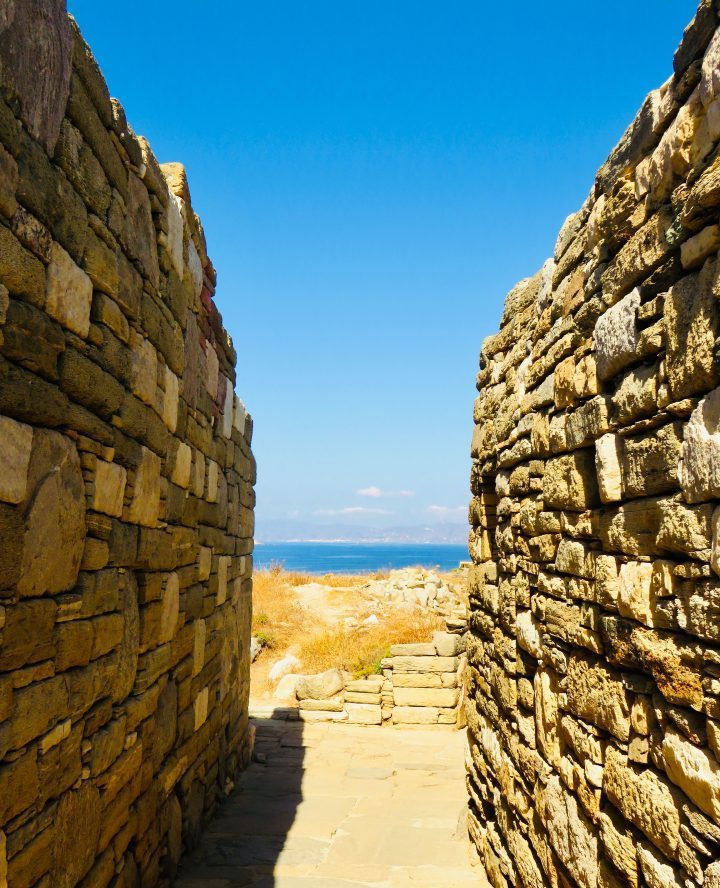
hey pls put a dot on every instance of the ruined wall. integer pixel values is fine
(594, 713)
(126, 486)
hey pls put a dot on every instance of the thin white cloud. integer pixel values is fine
(352, 510)
(378, 492)
(446, 510)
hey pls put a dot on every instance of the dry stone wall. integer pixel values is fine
(126, 486)
(594, 677)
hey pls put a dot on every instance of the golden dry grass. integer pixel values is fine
(316, 631)
(360, 651)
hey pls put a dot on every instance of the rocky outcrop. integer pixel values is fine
(126, 486)
(594, 650)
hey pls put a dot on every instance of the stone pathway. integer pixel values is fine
(337, 806)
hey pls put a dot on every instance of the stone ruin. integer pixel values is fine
(594, 681)
(126, 487)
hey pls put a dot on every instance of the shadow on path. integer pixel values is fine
(244, 842)
(342, 806)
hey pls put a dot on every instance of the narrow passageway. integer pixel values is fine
(337, 806)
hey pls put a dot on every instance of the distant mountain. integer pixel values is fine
(279, 531)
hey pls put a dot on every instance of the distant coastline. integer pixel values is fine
(339, 556)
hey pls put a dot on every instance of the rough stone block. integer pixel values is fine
(69, 292)
(415, 715)
(363, 713)
(14, 459)
(616, 336)
(444, 698)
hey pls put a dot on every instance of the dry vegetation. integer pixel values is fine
(314, 626)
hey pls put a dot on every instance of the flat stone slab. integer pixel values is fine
(341, 806)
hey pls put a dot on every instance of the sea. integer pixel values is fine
(355, 558)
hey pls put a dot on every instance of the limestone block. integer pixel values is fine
(197, 477)
(425, 664)
(692, 322)
(371, 685)
(415, 715)
(199, 640)
(650, 463)
(570, 833)
(419, 649)
(239, 416)
(331, 704)
(570, 483)
(200, 708)
(228, 407)
(529, 633)
(55, 523)
(637, 394)
(597, 694)
(585, 380)
(183, 465)
(213, 479)
(637, 596)
(8, 183)
(145, 504)
(616, 336)
(222, 579)
(145, 368)
(710, 79)
(700, 469)
(608, 465)
(195, 269)
(363, 714)
(3, 860)
(68, 293)
(204, 563)
(444, 698)
(657, 872)
(697, 249)
(355, 697)
(417, 680)
(15, 452)
(320, 687)
(36, 50)
(171, 400)
(644, 799)
(547, 689)
(109, 483)
(72, 859)
(313, 717)
(175, 232)
(694, 770)
(212, 371)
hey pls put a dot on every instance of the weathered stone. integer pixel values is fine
(643, 799)
(569, 481)
(596, 694)
(695, 771)
(55, 517)
(14, 459)
(608, 464)
(109, 492)
(700, 470)
(320, 687)
(570, 834)
(692, 323)
(616, 336)
(145, 502)
(69, 292)
(434, 697)
(35, 64)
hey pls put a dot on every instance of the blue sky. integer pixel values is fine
(373, 177)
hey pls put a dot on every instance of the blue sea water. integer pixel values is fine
(350, 558)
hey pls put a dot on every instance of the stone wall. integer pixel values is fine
(126, 486)
(594, 687)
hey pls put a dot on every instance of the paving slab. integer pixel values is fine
(342, 806)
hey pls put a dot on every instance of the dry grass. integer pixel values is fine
(315, 630)
(360, 651)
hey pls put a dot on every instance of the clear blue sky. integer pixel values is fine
(373, 177)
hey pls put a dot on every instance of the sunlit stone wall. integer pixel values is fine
(594, 698)
(126, 486)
